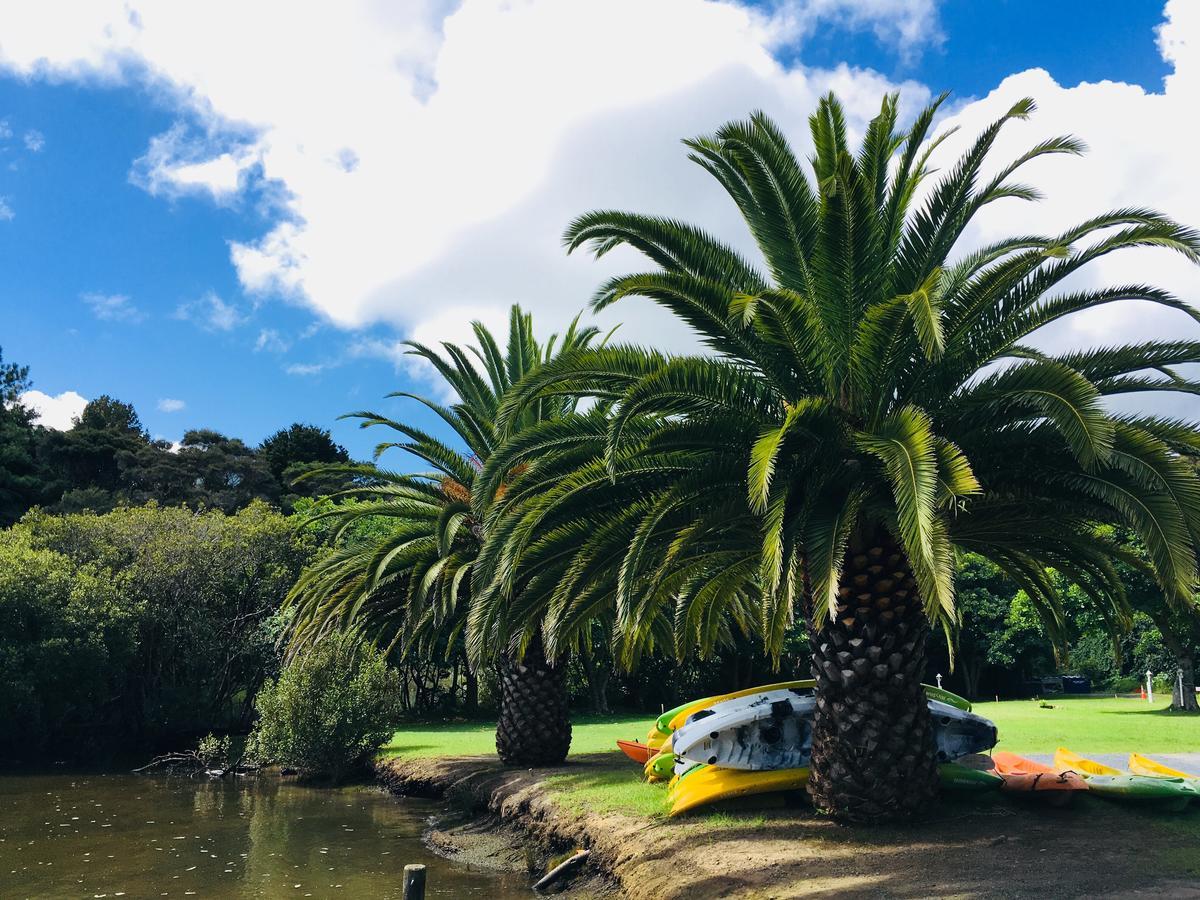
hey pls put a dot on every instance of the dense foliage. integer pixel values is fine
(107, 459)
(330, 709)
(139, 627)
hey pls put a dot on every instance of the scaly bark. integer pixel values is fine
(873, 744)
(534, 728)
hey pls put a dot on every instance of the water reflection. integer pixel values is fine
(124, 835)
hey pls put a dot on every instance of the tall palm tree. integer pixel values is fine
(874, 388)
(403, 550)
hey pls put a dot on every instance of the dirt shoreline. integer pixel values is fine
(990, 846)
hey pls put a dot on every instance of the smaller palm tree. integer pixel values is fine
(403, 549)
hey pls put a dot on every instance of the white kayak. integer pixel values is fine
(773, 730)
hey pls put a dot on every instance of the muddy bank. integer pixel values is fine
(989, 846)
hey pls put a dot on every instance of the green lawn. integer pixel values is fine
(1084, 725)
(1092, 726)
(589, 734)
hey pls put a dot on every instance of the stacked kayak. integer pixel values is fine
(759, 741)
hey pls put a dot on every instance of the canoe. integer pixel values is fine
(711, 784)
(1026, 777)
(774, 730)
(673, 719)
(640, 753)
(1168, 794)
(1144, 765)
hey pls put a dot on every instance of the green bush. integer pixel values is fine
(330, 710)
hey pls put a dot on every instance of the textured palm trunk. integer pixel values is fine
(534, 727)
(873, 749)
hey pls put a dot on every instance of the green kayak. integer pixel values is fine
(963, 778)
(1171, 794)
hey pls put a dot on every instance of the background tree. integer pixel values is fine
(298, 457)
(21, 480)
(409, 584)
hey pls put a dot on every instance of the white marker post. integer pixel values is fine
(939, 679)
(1149, 686)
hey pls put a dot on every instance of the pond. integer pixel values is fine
(130, 836)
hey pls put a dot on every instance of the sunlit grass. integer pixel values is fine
(589, 734)
(1085, 725)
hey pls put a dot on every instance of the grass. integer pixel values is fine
(1085, 725)
(589, 734)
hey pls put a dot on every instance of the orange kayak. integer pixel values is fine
(638, 752)
(1024, 776)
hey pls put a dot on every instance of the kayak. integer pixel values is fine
(1144, 765)
(662, 766)
(774, 730)
(1170, 794)
(1024, 776)
(1065, 759)
(761, 732)
(955, 777)
(638, 752)
(710, 784)
(673, 719)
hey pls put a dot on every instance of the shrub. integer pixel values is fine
(330, 710)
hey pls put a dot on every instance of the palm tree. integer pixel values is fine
(403, 549)
(874, 388)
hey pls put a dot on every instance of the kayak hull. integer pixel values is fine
(1144, 765)
(638, 752)
(1027, 778)
(1170, 794)
(706, 785)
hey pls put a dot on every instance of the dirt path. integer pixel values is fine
(992, 846)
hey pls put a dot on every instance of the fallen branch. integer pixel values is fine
(562, 869)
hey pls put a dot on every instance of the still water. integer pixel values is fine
(95, 836)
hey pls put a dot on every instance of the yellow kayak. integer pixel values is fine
(709, 784)
(1144, 765)
(1065, 760)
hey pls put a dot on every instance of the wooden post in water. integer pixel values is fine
(414, 882)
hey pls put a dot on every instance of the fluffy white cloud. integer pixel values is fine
(1139, 154)
(171, 405)
(57, 412)
(34, 140)
(430, 152)
(6, 211)
(113, 307)
(211, 313)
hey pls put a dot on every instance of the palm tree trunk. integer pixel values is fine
(873, 748)
(535, 726)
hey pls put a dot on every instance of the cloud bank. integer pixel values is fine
(427, 155)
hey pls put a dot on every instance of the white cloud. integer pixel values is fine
(1139, 154)
(5, 130)
(171, 405)
(211, 313)
(113, 307)
(57, 412)
(308, 368)
(429, 153)
(175, 165)
(34, 140)
(6, 211)
(272, 341)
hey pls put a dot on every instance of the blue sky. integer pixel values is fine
(116, 273)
